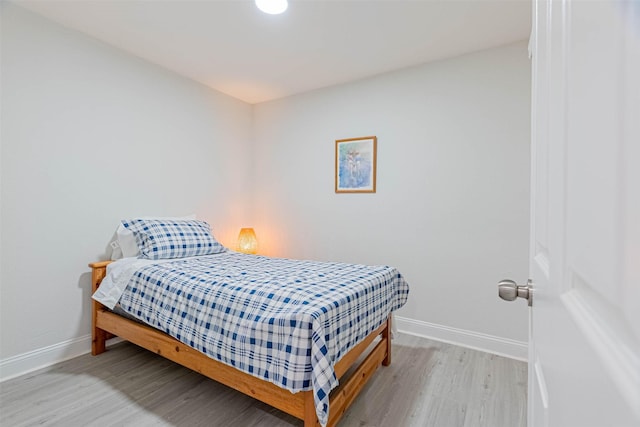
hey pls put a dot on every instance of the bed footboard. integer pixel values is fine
(106, 324)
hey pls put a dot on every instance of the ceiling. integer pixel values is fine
(230, 46)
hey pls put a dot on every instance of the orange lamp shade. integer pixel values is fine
(247, 242)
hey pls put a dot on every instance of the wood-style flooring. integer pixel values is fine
(429, 383)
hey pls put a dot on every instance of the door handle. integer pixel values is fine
(509, 290)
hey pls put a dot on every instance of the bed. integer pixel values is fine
(282, 331)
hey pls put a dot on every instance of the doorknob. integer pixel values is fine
(509, 290)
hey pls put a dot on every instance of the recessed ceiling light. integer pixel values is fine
(272, 7)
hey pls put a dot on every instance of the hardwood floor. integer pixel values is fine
(429, 383)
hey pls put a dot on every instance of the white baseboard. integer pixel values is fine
(47, 356)
(43, 357)
(475, 340)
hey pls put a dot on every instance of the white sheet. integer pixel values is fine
(118, 276)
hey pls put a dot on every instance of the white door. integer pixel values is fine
(584, 365)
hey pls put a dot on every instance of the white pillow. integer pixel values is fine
(126, 242)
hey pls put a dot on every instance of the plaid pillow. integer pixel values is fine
(172, 238)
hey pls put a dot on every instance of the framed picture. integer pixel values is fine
(356, 165)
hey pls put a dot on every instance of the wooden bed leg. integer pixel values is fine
(310, 417)
(98, 336)
(98, 342)
(386, 334)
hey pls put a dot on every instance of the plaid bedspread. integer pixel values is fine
(280, 320)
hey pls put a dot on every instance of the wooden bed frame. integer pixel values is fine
(106, 325)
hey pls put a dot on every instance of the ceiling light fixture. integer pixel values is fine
(272, 7)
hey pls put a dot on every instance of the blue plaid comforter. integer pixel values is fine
(284, 321)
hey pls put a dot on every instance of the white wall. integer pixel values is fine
(452, 204)
(91, 135)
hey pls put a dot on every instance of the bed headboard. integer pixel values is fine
(98, 271)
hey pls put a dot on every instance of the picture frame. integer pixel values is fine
(356, 160)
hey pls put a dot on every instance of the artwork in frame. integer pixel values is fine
(356, 165)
